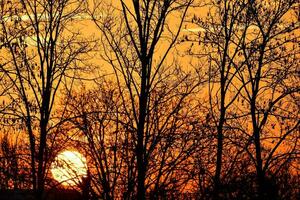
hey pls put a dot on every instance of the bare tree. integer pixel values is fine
(131, 41)
(219, 38)
(230, 30)
(42, 52)
(271, 54)
(148, 133)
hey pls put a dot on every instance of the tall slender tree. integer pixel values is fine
(137, 53)
(271, 52)
(220, 36)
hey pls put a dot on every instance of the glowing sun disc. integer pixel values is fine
(68, 168)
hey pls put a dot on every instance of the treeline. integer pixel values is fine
(167, 99)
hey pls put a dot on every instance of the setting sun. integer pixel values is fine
(69, 167)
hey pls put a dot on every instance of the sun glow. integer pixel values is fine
(69, 167)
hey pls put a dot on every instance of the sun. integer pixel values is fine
(69, 167)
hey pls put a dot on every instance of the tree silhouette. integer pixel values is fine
(221, 48)
(40, 51)
(269, 53)
(131, 38)
(188, 100)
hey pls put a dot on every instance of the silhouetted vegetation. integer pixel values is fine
(166, 99)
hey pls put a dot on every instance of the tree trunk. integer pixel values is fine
(141, 166)
(42, 146)
(217, 177)
(32, 153)
(40, 174)
(140, 158)
(259, 167)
